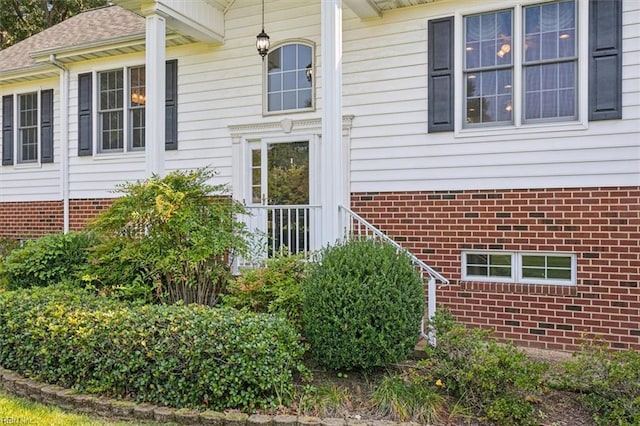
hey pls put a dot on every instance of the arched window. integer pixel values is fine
(289, 85)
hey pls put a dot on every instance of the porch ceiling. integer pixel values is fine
(205, 22)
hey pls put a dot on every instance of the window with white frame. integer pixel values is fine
(28, 128)
(519, 267)
(544, 70)
(121, 109)
(289, 79)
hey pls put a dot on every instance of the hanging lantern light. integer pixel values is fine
(262, 39)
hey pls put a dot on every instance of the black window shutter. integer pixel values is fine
(440, 55)
(7, 130)
(605, 61)
(85, 115)
(171, 106)
(46, 126)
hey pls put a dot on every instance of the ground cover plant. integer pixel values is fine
(362, 306)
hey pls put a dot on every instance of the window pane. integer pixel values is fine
(28, 127)
(500, 271)
(304, 99)
(533, 273)
(289, 100)
(478, 271)
(488, 107)
(559, 261)
(289, 80)
(304, 56)
(550, 90)
(472, 27)
(533, 261)
(500, 259)
(472, 55)
(478, 259)
(274, 63)
(137, 128)
(559, 274)
(289, 57)
(275, 102)
(275, 82)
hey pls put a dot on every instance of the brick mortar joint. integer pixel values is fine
(17, 385)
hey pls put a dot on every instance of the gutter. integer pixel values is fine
(64, 138)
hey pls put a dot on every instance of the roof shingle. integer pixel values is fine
(95, 25)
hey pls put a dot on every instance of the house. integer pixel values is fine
(498, 141)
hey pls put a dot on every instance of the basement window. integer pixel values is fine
(519, 267)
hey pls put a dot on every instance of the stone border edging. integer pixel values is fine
(116, 409)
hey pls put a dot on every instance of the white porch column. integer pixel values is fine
(155, 92)
(332, 161)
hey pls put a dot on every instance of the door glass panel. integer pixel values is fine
(288, 173)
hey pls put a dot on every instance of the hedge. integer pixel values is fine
(174, 355)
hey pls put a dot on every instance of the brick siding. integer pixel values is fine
(26, 220)
(32, 219)
(601, 225)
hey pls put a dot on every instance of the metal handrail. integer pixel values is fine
(378, 233)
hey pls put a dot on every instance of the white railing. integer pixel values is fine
(281, 229)
(355, 226)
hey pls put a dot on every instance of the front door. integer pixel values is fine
(281, 196)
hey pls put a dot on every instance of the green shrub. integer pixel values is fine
(275, 288)
(168, 239)
(362, 306)
(492, 380)
(175, 355)
(47, 260)
(609, 383)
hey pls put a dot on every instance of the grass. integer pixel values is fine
(19, 411)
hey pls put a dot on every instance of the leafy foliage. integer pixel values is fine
(608, 381)
(362, 306)
(175, 355)
(47, 260)
(168, 239)
(275, 288)
(20, 19)
(495, 381)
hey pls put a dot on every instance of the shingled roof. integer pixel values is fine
(93, 26)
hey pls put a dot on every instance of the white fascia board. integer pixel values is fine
(91, 47)
(31, 72)
(198, 20)
(365, 9)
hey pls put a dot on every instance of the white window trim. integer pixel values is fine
(265, 80)
(97, 139)
(516, 268)
(582, 85)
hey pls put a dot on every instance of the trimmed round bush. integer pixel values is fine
(362, 306)
(181, 356)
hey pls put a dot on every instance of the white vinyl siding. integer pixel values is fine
(385, 89)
